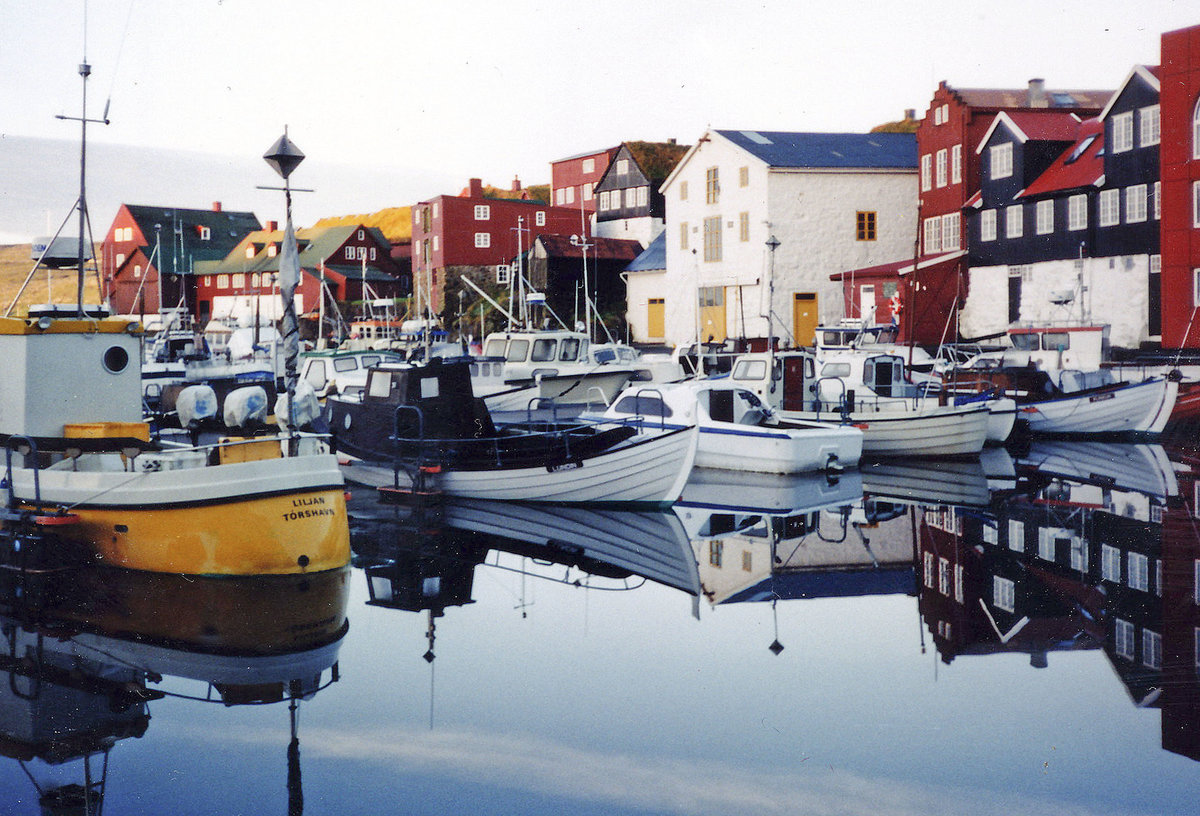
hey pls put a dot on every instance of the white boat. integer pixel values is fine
(560, 364)
(869, 391)
(738, 431)
(425, 421)
(341, 371)
(767, 494)
(1113, 465)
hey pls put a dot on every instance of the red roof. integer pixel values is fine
(1080, 165)
(1046, 126)
(1002, 98)
(620, 249)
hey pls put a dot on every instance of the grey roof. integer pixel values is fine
(828, 150)
(653, 257)
(179, 232)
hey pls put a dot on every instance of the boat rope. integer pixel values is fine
(94, 496)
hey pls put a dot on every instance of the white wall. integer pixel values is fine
(639, 288)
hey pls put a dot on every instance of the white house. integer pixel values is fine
(833, 201)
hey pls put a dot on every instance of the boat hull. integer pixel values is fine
(787, 449)
(206, 520)
(941, 431)
(1143, 407)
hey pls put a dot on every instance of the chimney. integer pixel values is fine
(272, 226)
(910, 114)
(516, 185)
(216, 206)
(475, 188)
(1037, 93)
(671, 140)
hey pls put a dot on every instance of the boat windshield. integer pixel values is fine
(835, 370)
(543, 350)
(345, 364)
(518, 351)
(1025, 342)
(643, 405)
(494, 348)
(750, 370)
(570, 349)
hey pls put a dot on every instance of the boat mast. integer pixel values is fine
(772, 245)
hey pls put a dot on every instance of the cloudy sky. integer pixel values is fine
(434, 91)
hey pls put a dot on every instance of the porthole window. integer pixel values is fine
(116, 360)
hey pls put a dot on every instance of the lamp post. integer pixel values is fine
(284, 157)
(772, 245)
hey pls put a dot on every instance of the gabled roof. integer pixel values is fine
(827, 150)
(1005, 98)
(652, 258)
(178, 232)
(394, 222)
(1035, 125)
(1081, 165)
(317, 246)
(1146, 73)
(601, 249)
(600, 152)
(656, 159)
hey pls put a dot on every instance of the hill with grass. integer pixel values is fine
(57, 286)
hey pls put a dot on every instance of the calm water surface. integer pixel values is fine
(1017, 634)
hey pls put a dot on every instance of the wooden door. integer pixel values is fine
(656, 319)
(804, 317)
(712, 314)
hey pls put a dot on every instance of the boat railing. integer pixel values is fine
(27, 447)
(640, 419)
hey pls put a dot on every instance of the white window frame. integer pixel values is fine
(1000, 161)
(958, 583)
(1110, 208)
(483, 240)
(1122, 132)
(1196, 203)
(643, 196)
(987, 225)
(1149, 126)
(1079, 554)
(1110, 563)
(926, 172)
(1135, 204)
(928, 565)
(933, 234)
(956, 164)
(503, 273)
(483, 212)
(1151, 649)
(1004, 594)
(951, 231)
(1138, 575)
(1123, 638)
(1014, 221)
(940, 168)
(1016, 535)
(1077, 212)
(944, 576)
(1158, 201)
(539, 218)
(1195, 304)
(1045, 216)
(589, 165)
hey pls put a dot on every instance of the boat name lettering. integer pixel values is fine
(563, 466)
(1101, 397)
(311, 500)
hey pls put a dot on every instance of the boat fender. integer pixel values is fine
(308, 407)
(195, 404)
(245, 407)
(1175, 375)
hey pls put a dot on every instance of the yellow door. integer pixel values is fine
(656, 321)
(712, 314)
(804, 317)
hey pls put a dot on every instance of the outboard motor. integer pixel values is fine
(308, 407)
(196, 404)
(246, 407)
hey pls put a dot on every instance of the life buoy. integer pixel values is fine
(896, 306)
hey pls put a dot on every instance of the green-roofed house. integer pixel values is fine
(345, 257)
(149, 255)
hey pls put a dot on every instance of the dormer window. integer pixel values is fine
(1122, 132)
(272, 251)
(1001, 160)
(205, 233)
(362, 235)
(249, 251)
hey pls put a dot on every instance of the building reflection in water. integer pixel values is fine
(85, 653)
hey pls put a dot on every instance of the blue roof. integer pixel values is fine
(832, 583)
(652, 257)
(850, 150)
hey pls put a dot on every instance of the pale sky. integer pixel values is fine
(497, 89)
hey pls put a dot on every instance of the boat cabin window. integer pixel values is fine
(518, 351)
(1056, 341)
(368, 360)
(1025, 342)
(835, 370)
(750, 370)
(315, 374)
(644, 405)
(884, 375)
(834, 338)
(605, 355)
(570, 349)
(543, 350)
(382, 385)
(345, 364)
(494, 347)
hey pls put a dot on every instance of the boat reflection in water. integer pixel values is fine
(424, 558)
(85, 652)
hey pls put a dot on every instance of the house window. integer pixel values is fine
(137, 270)
(712, 186)
(622, 167)
(362, 235)
(435, 242)
(926, 172)
(587, 190)
(589, 165)
(1110, 207)
(1110, 563)
(349, 253)
(715, 550)
(944, 576)
(865, 225)
(933, 234)
(502, 273)
(929, 570)
(951, 227)
(683, 235)
(1004, 594)
(207, 281)
(1196, 303)
(254, 281)
(958, 583)
(205, 233)
(744, 226)
(956, 164)
(1122, 132)
(1079, 554)
(272, 250)
(1157, 200)
(712, 238)
(1152, 649)
(1077, 212)
(539, 218)
(360, 253)
(372, 253)
(483, 240)
(1001, 160)
(990, 533)
(560, 196)
(250, 251)
(1196, 203)
(941, 168)
(1047, 543)
(743, 176)
(643, 196)
(602, 203)
(239, 280)
(1016, 535)
(683, 191)
(1045, 217)
(482, 213)
(1135, 204)
(987, 225)
(1013, 221)
(435, 209)
(120, 258)
(222, 281)
(1123, 639)
(1149, 124)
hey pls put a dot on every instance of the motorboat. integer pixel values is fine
(341, 371)
(738, 431)
(424, 423)
(560, 364)
(80, 462)
(870, 391)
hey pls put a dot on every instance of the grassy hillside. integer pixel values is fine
(15, 263)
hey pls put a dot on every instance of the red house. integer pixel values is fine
(1179, 157)
(472, 230)
(947, 138)
(573, 179)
